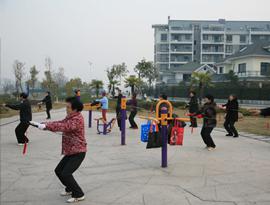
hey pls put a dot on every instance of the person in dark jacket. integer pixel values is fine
(118, 107)
(133, 111)
(47, 100)
(25, 116)
(231, 107)
(208, 113)
(193, 108)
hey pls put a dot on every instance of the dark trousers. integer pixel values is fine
(48, 113)
(64, 170)
(193, 121)
(131, 119)
(206, 136)
(20, 132)
(230, 128)
(118, 117)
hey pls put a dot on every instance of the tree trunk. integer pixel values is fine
(132, 89)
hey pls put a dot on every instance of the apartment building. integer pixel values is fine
(205, 42)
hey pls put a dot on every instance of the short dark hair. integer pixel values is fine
(24, 95)
(163, 96)
(48, 92)
(75, 103)
(193, 92)
(210, 97)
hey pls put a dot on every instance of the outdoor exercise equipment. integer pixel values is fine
(123, 119)
(163, 115)
(90, 107)
(104, 127)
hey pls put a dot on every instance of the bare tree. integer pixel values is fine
(60, 77)
(18, 68)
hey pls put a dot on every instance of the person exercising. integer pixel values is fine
(74, 147)
(25, 116)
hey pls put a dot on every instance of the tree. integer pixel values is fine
(232, 77)
(33, 77)
(112, 77)
(48, 83)
(201, 80)
(120, 71)
(96, 85)
(60, 77)
(73, 83)
(18, 68)
(133, 82)
(147, 70)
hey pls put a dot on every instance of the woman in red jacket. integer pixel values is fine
(74, 147)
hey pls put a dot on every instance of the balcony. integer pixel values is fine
(250, 74)
(181, 50)
(213, 51)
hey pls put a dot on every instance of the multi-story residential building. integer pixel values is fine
(204, 42)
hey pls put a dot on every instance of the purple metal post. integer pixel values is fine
(123, 125)
(164, 162)
(90, 119)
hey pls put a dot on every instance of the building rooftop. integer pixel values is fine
(260, 48)
(222, 23)
(189, 67)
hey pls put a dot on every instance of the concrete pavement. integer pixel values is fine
(237, 172)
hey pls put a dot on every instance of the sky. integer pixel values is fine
(104, 32)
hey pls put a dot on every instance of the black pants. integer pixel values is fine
(118, 117)
(206, 136)
(48, 113)
(64, 170)
(20, 132)
(193, 121)
(229, 126)
(131, 119)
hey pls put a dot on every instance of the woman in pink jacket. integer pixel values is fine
(74, 147)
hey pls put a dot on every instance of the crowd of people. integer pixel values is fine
(74, 146)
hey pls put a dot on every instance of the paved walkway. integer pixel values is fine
(237, 172)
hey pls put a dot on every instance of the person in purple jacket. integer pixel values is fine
(133, 111)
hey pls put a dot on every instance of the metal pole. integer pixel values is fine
(123, 120)
(164, 113)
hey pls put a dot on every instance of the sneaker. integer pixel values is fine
(229, 134)
(64, 193)
(73, 200)
(211, 148)
(235, 136)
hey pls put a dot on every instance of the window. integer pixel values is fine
(195, 42)
(229, 49)
(265, 68)
(163, 37)
(243, 39)
(187, 36)
(229, 38)
(205, 37)
(186, 77)
(242, 68)
(221, 69)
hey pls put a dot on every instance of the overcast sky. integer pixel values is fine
(105, 32)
